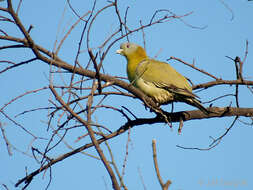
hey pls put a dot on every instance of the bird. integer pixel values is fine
(158, 80)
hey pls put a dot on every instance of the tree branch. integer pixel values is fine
(175, 117)
(166, 185)
(92, 136)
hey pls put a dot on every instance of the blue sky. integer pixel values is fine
(226, 167)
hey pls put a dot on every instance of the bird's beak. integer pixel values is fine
(119, 51)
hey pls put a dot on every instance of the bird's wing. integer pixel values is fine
(164, 76)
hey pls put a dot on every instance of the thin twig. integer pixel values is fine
(143, 35)
(22, 95)
(8, 144)
(166, 185)
(142, 179)
(18, 124)
(246, 52)
(126, 155)
(115, 165)
(69, 31)
(93, 58)
(73, 10)
(193, 66)
(229, 9)
(217, 98)
(19, 5)
(215, 141)
(5, 186)
(18, 64)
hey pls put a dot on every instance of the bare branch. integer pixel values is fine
(142, 180)
(166, 185)
(215, 141)
(115, 165)
(193, 66)
(8, 145)
(17, 65)
(92, 136)
(228, 8)
(222, 82)
(247, 112)
(19, 5)
(69, 31)
(93, 58)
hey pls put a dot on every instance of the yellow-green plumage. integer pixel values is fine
(157, 79)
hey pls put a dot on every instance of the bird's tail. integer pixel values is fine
(196, 103)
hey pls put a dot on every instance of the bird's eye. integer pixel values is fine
(128, 45)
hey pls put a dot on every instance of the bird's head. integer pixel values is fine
(132, 51)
